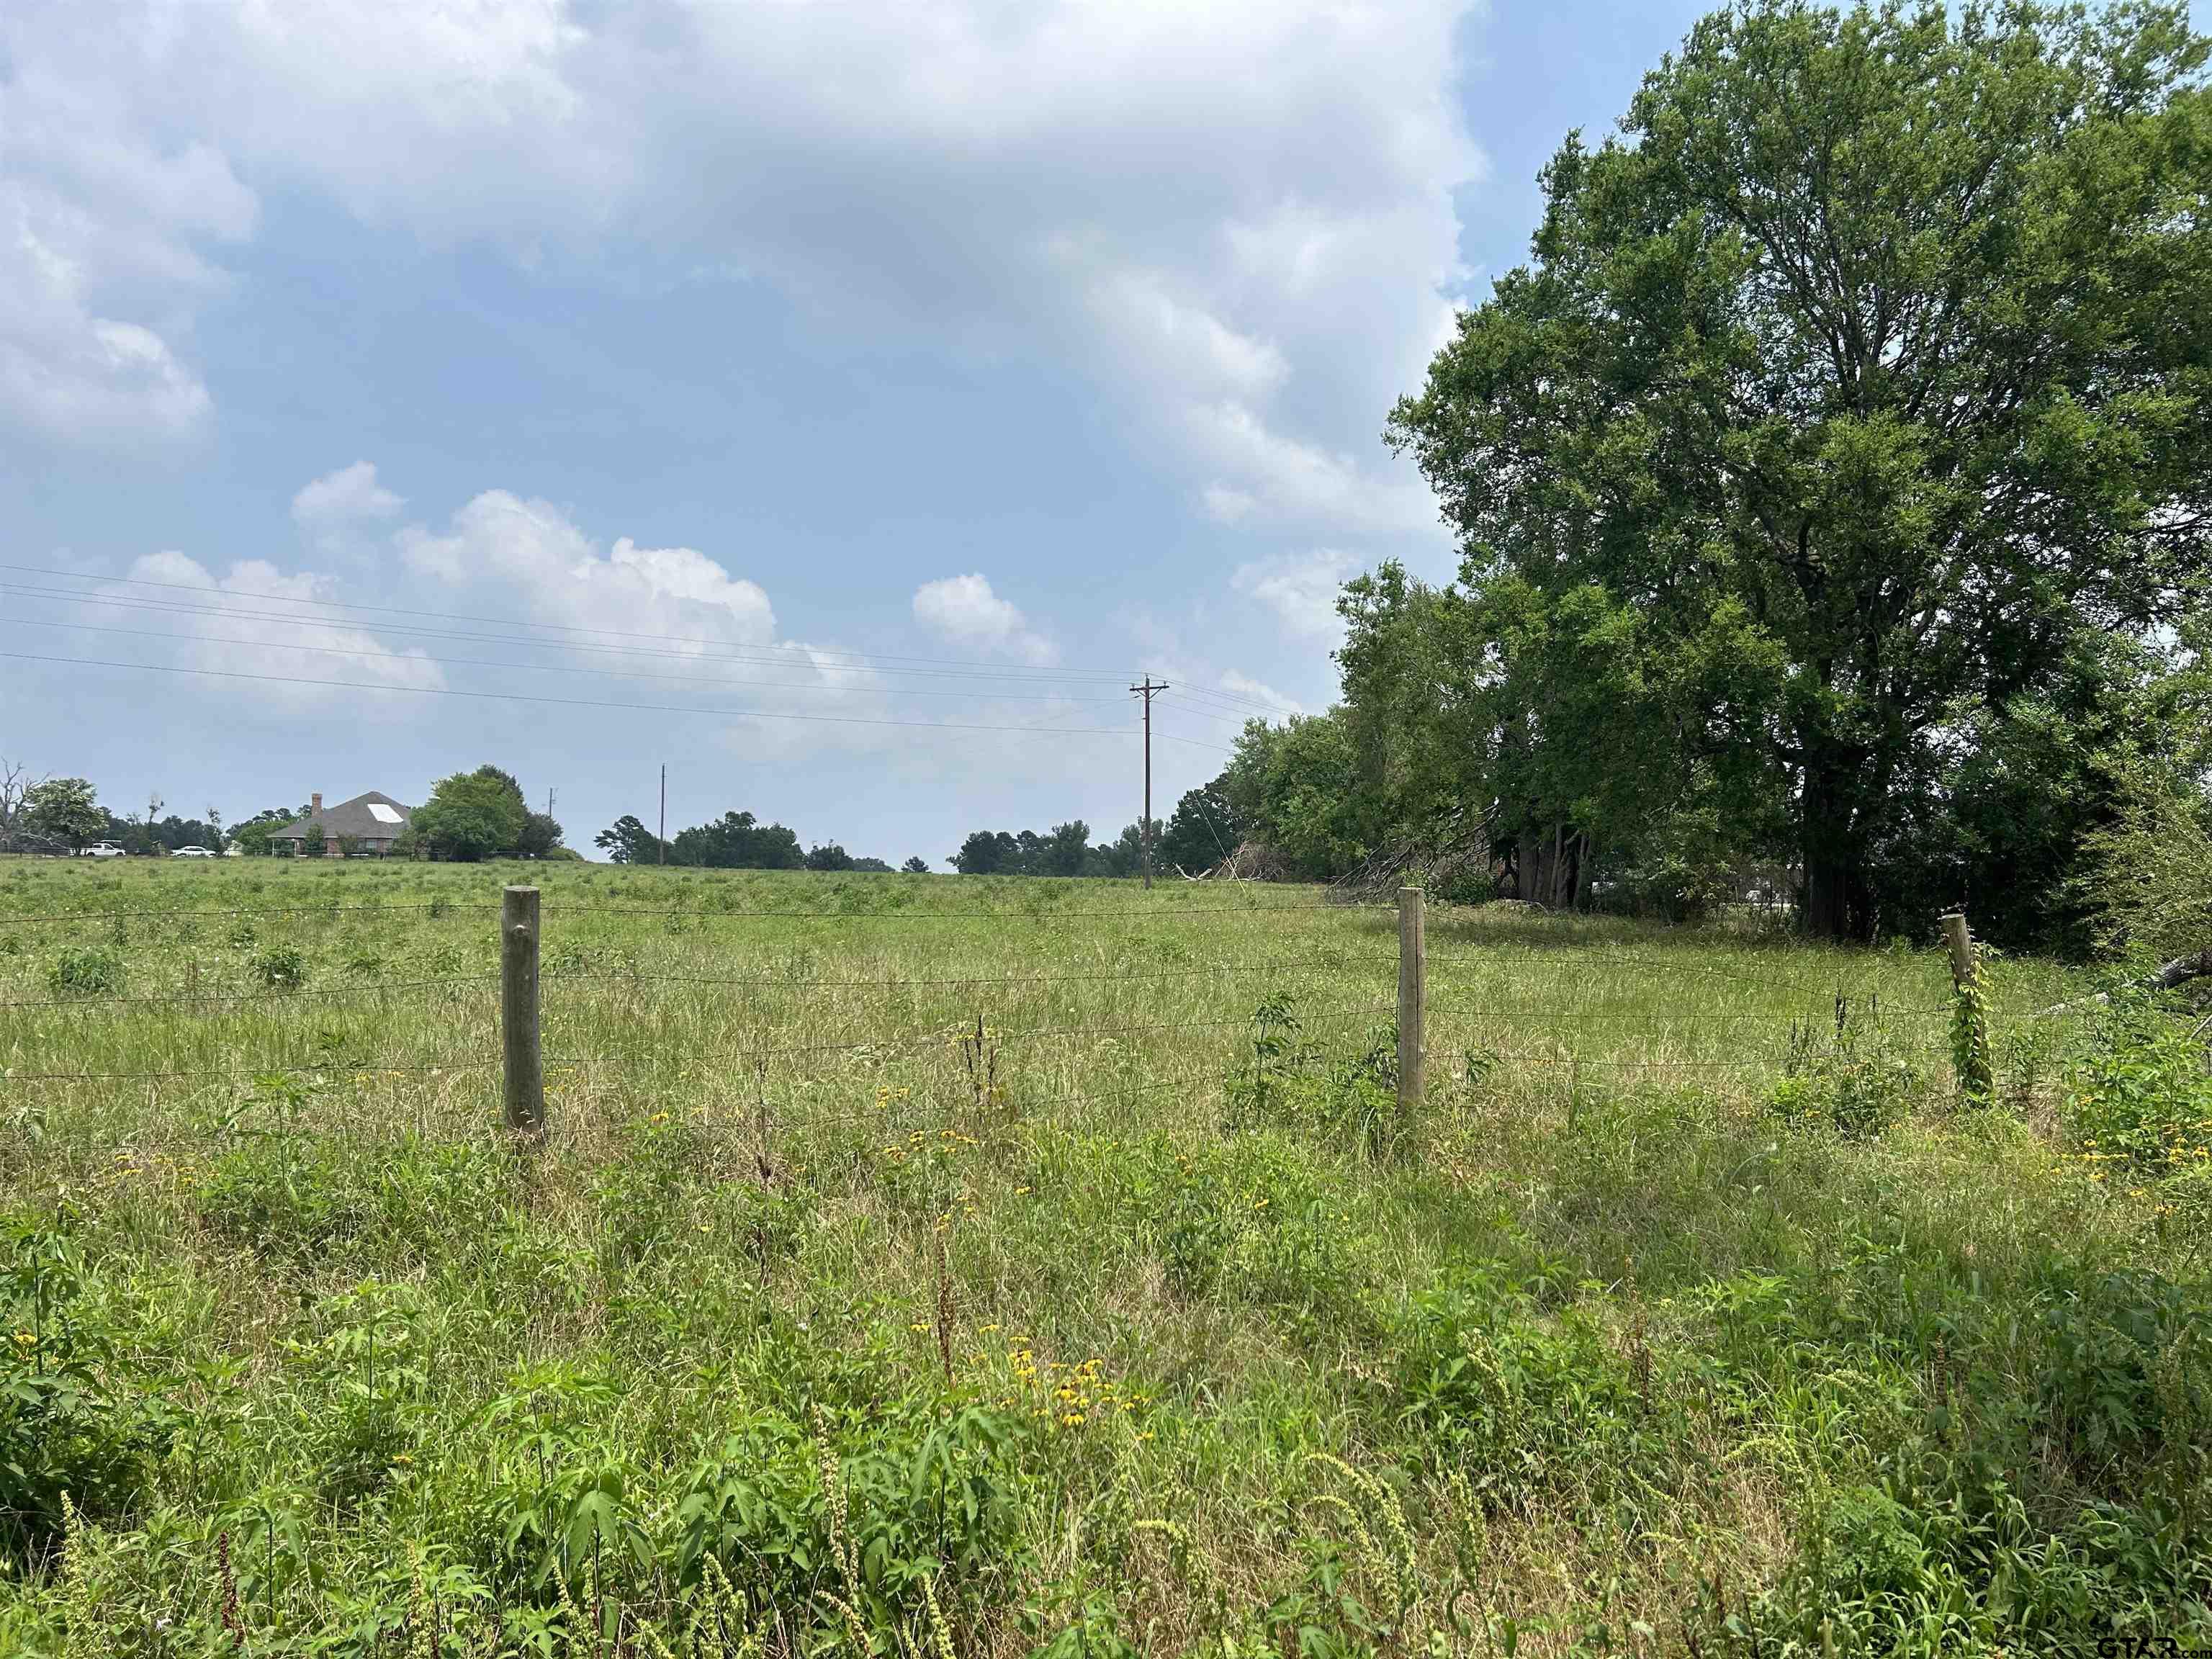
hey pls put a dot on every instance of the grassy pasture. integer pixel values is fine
(1690, 1313)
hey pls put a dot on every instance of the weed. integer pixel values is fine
(1854, 1077)
(91, 972)
(282, 968)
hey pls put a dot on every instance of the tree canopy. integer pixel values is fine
(1850, 396)
(482, 814)
(1065, 849)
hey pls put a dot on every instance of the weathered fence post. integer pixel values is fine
(1412, 1001)
(1957, 935)
(1970, 1018)
(518, 1011)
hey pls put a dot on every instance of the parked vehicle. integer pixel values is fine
(100, 849)
(194, 852)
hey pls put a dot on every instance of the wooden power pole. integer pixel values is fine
(1146, 692)
(663, 837)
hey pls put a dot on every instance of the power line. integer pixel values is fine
(527, 667)
(856, 661)
(1025, 676)
(504, 621)
(596, 703)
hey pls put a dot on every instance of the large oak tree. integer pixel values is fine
(1877, 341)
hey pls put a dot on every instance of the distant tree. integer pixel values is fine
(252, 837)
(470, 816)
(916, 865)
(172, 832)
(988, 852)
(626, 840)
(15, 784)
(830, 857)
(1297, 788)
(1065, 850)
(1121, 857)
(737, 841)
(60, 814)
(871, 867)
(1203, 829)
(541, 835)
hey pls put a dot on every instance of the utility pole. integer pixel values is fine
(663, 812)
(1146, 692)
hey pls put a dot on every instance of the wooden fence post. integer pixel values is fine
(1961, 941)
(518, 1011)
(1970, 1023)
(1412, 1001)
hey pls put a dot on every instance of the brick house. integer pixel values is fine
(375, 819)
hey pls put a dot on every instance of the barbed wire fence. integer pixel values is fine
(1415, 1024)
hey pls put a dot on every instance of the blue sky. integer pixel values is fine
(947, 365)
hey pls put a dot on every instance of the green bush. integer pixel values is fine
(2138, 1095)
(89, 972)
(1853, 1078)
(75, 1418)
(282, 968)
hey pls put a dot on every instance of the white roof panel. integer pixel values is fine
(384, 814)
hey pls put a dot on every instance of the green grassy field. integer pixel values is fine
(966, 1266)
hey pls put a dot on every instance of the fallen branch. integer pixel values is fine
(2179, 971)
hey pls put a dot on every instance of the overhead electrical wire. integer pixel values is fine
(727, 654)
(596, 703)
(514, 622)
(527, 667)
(856, 661)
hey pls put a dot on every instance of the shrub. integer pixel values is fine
(2137, 1092)
(1286, 1080)
(282, 968)
(1854, 1079)
(74, 1420)
(90, 972)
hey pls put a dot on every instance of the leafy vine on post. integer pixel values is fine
(1969, 1015)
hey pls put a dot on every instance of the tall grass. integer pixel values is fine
(987, 1267)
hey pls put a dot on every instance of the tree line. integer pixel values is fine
(1203, 830)
(1833, 489)
(469, 816)
(736, 840)
(60, 815)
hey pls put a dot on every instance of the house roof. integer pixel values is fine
(374, 816)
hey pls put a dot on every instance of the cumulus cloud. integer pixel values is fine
(248, 620)
(103, 221)
(1251, 690)
(965, 611)
(1237, 219)
(1300, 589)
(339, 506)
(548, 567)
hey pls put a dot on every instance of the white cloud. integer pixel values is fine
(1237, 218)
(102, 218)
(1301, 589)
(1244, 685)
(342, 503)
(964, 610)
(238, 623)
(550, 570)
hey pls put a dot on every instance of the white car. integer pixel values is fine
(100, 849)
(194, 852)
